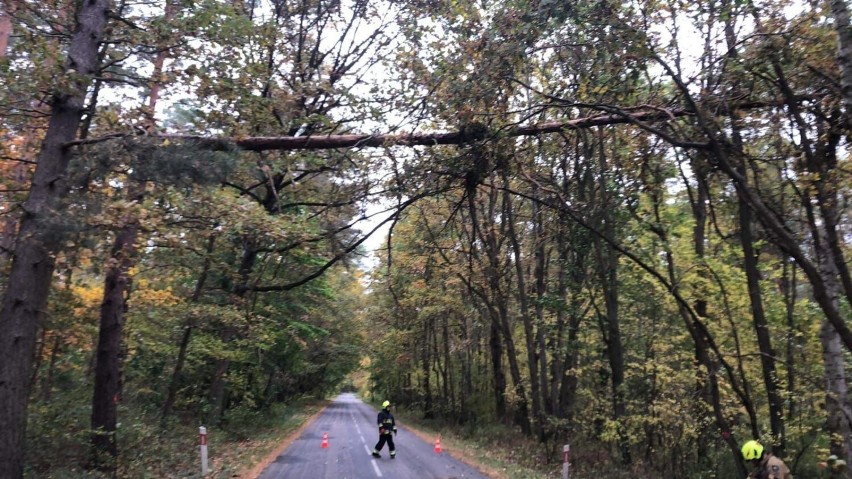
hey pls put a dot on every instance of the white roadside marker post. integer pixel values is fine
(202, 432)
(566, 461)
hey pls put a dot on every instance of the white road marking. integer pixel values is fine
(375, 466)
(357, 427)
(366, 447)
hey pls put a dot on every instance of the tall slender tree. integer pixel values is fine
(25, 298)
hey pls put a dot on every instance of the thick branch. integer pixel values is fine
(637, 116)
(424, 139)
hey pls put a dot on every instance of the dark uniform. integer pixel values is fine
(387, 428)
(771, 468)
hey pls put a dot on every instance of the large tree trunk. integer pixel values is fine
(32, 268)
(572, 277)
(496, 299)
(698, 205)
(489, 299)
(565, 382)
(522, 417)
(761, 328)
(523, 299)
(840, 11)
(116, 291)
(9, 221)
(711, 366)
(21, 171)
(837, 390)
(218, 388)
(793, 344)
(608, 276)
(761, 325)
(466, 355)
(541, 275)
(822, 164)
(449, 399)
(426, 364)
(107, 391)
(607, 269)
(7, 9)
(183, 347)
(495, 344)
(558, 342)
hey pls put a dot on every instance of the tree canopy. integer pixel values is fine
(623, 224)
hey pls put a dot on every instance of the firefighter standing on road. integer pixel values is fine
(387, 428)
(766, 465)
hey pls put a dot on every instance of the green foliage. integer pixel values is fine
(599, 254)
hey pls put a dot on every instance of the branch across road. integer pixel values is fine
(350, 426)
(641, 115)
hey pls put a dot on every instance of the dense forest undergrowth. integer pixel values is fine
(237, 446)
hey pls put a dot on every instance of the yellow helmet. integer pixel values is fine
(386, 404)
(752, 450)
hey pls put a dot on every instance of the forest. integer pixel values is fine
(622, 226)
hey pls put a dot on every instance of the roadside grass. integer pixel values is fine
(240, 447)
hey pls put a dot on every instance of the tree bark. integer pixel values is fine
(495, 344)
(522, 418)
(489, 308)
(37, 242)
(607, 269)
(837, 390)
(526, 318)
(840, 11)
(449, 398)
(789, 285)
(541, 275)
(7, 9)
(761, 325)
(218, 386)
(466, 355)
(571, 279)
(9, 221)
(761, 329)
(108, 366)
(497, 299)
(750, 264)
(426, 365)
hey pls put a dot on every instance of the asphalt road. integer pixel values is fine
(352, 434)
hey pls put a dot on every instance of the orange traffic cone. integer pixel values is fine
(324, 444)
(438, 445)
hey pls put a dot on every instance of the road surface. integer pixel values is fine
(352, 434)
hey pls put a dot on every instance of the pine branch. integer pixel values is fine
(638, 116)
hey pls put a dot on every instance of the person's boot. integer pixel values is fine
(376, 454)
(393, 455)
